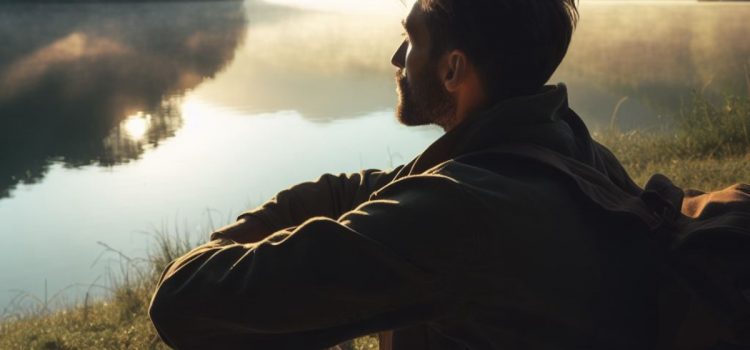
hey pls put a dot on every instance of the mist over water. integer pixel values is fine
(658, 54)
(115, 119)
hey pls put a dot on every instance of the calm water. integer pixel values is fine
(119, 120)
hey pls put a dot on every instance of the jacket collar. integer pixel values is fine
(543, 119)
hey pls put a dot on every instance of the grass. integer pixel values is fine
(118, 321)
(709, 148)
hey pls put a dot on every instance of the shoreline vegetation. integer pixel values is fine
(707, 147)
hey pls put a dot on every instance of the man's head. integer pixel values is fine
(460, 55)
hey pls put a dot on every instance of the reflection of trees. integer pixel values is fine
(70, 74)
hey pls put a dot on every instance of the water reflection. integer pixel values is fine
(95, 83)
(324, 65)
(99, 83)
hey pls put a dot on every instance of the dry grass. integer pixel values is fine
(709, 148)
(117, 321)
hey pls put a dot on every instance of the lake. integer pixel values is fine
(119, 121)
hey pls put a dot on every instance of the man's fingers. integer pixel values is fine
(226, 231)
(216, 235)
(245, 230)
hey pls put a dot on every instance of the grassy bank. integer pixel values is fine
(709, 148)
(120, 321)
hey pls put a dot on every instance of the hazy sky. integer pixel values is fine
(381, 6)
(367, 6)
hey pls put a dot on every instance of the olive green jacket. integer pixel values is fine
(457, 249)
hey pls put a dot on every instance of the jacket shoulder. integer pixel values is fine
(515, 181)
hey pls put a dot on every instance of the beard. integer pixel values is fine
(423, 103)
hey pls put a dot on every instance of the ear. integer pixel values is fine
(456, 70)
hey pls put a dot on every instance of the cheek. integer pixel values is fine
(413, 60)
(407, 59)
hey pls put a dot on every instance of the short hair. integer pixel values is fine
(516, 45)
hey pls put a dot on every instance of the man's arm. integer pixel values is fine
(329, 196)
(395, 261)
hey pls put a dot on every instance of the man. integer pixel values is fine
(461, 248)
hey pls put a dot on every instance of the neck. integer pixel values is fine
(451, 123)
(464, 111)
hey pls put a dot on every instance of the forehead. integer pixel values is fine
(414, 21)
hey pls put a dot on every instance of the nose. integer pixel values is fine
(399, 57)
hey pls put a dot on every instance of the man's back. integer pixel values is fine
(459, 247)
(552, 271)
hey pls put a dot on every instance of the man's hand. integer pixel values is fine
(246, 230)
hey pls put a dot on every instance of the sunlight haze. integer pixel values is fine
(359, 6)
(382, 6)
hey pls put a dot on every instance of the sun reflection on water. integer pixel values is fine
(136, 125)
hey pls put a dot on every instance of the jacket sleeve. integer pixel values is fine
(394, 261)
(329, 196)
